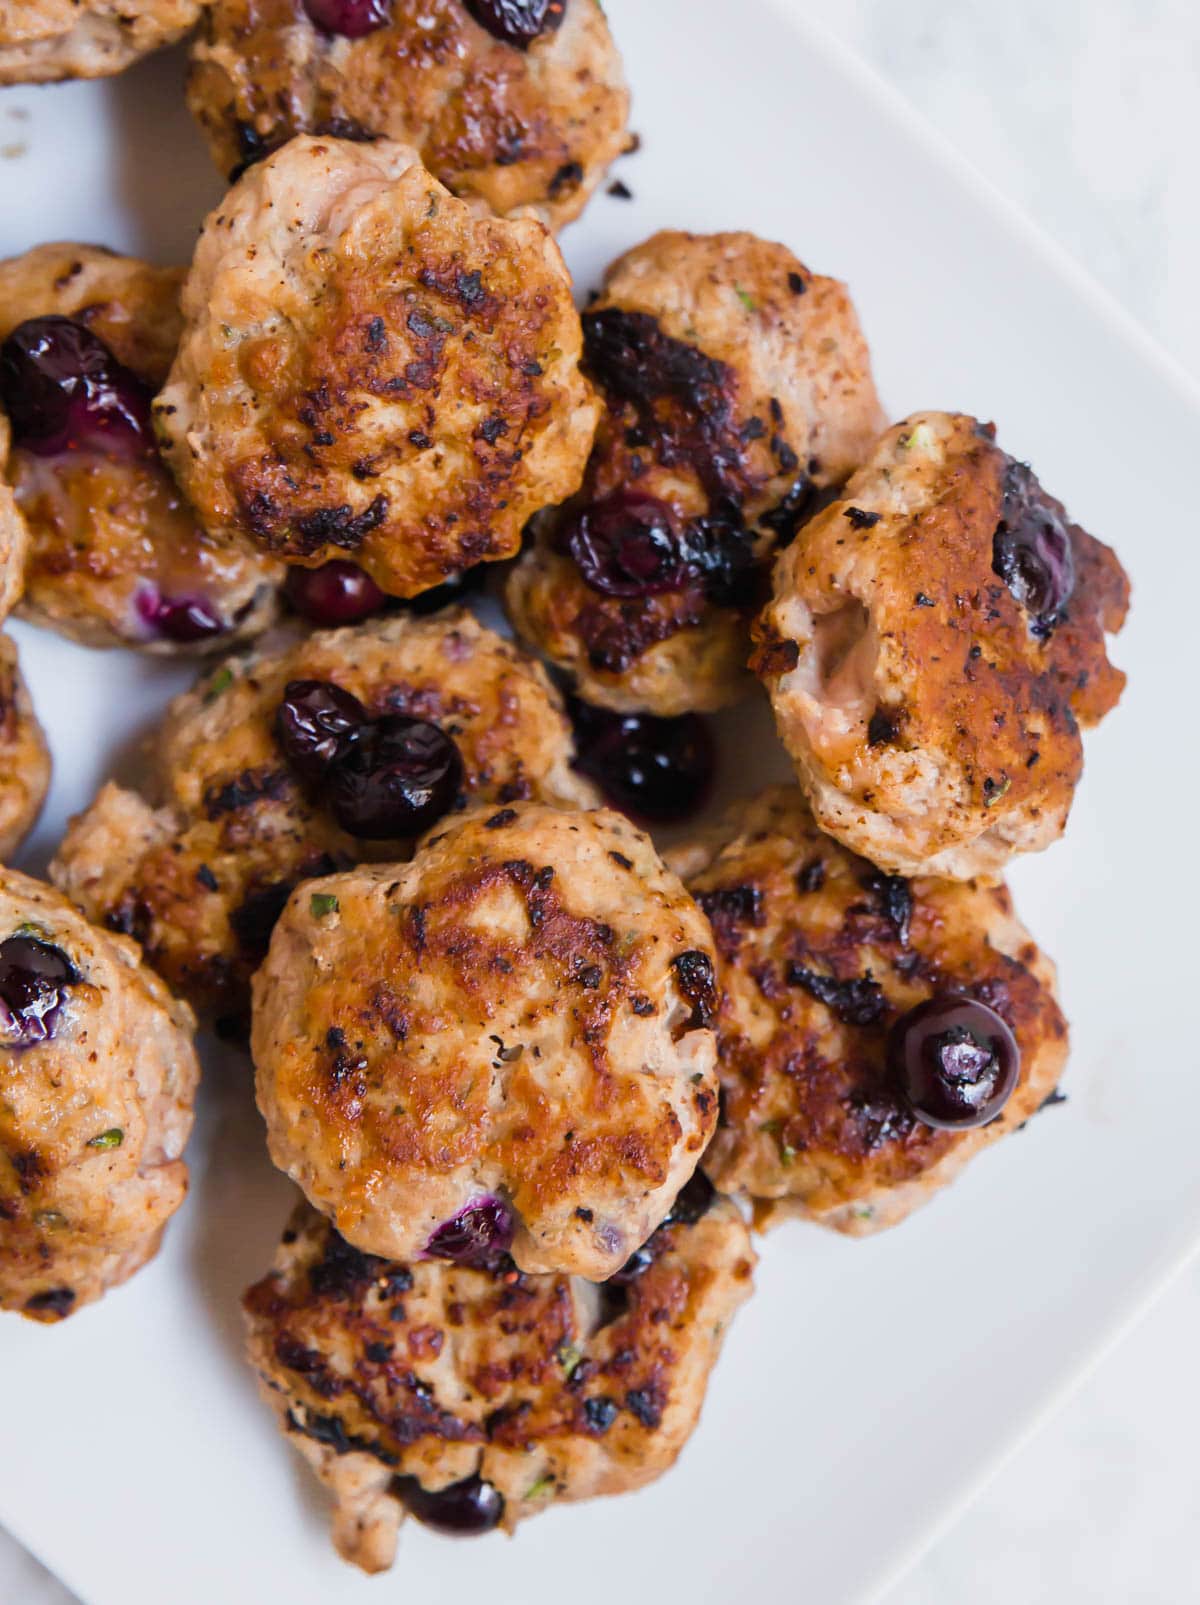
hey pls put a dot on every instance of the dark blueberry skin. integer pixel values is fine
(1031, 551)
(719, 552)
(316, 724)
(184, 620)
(396, 779)
(955, 1060)
(692, 1204)
(336, 593)
(479, 1235)
(629, 545)
(450, 592)
(694, 1201)
(63, 390)
(659, 770)
(626, 545)
(466, 1509)
(517, 22)
(352, 19)
(34, 977)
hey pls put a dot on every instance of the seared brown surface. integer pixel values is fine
(24, 755)
(507, 127)
(521, 1010)
(932, 727)
(44, 40)
(371, 369)
(92, 1122)
(200, 870)
(548, 1388)
(761, 386)
(810, 1114)
(104, 529)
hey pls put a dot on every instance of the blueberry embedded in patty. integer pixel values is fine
(396, 779)
(63, 389)
(956, 1061)
(34, 978)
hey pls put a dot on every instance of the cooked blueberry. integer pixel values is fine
(63, 390)
(517, 22)
(55, 1304)
(350, 18)
(336, 593)
(183, 619)
(398, 778)
(317, 722)
(955, 1060)
(694, 1202)
(256, 916)
(626, 545)
(479, 1235)
(1031, 550)
(600, 1412)
(656, 769)
(857, 1001)
(466, 1509)
(455, 589)
(697, 981)
(629, 353)
(638, 1263)
(34, 977)
(719, 552)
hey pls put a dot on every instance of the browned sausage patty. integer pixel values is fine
(513, 1025)
(819, 954)
(737, 384)
(97, 1077)
(200, 869)
(497, 123)
(935, 642)
(427, 1386)
(114, 556)
(370, 368)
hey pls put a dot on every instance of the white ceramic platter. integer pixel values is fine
(868, 1386)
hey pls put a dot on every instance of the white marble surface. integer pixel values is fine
(1088, 113)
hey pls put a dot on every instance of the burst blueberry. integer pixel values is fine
(34, 979)
(1032, 552)
(517, 22)
(955, 1060)
(478, 1236)
(64, 390)
(182, 619)
(317, 722)
(626, 545)
(396, 779)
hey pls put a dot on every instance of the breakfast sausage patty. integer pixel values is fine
(736, 385)
(511, 122)
(507, 1036)
(935, 642)
(45, 40)
(371, 369)
(199, 870)
(821, 958)
(474, 1398)
(24, 755)
(114, 557)
(97, 1076)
